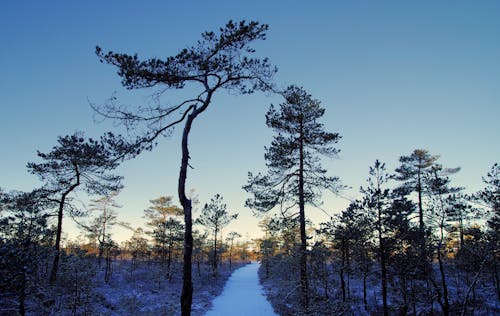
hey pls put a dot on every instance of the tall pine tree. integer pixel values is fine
(295, 176)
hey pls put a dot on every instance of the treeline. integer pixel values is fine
(95, 271)
(413, 244)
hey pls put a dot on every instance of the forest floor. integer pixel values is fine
(242, 295)
(146, 290)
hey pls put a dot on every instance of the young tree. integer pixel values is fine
(214, 216)
(377, 201)
(76, 162)
(230, 240)
(439, 195)
(411, 173)
(101, 225)
(219, 61)
(295, 175)
(489, 197)
(138, 247)
(166, 229)
(23, 228)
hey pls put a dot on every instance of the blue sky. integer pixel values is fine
(393, 75)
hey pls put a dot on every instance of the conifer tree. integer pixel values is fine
(76, 162)
(219, 61)
(214, 216)
(295, 176)
(411, 172)
(377, 201)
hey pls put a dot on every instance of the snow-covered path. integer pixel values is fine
(242, 295)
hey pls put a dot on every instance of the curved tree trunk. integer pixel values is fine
(187, 281)
(57, 246)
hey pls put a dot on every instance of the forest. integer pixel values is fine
(413, 244)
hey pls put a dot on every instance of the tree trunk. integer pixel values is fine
(304, 286)
(230, 257)
(187, 281)
(57, 247)
(342, 281)
(365, 301)
(169, 260)
(383, 268)
(214, 272)
(446, 302)
(495, 277)
(22, 294)
(107, 274)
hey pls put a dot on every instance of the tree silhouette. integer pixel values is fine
(219, 61)
(295, 176)
(411, 173)
(214, 216)
(377, 201)
(75, 162)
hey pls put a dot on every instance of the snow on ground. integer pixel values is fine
(242, 295)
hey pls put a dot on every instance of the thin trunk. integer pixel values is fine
(381, 241)
(169, 260)
(461, 231)
(348, 270)
(446, 303)
(495, 277)
(103, 236)
(384, 277)
(304, 286)
(342, 281)
(22, 295)
(326, 280)
(101, 252)
(420, 208)
(107, 274)
(365, 301)
(215, 255)
(57, 246)
(266, 256)
(230, 256)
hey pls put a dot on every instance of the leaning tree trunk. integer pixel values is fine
(187, 281)
(57, 246)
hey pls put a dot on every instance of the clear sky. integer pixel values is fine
(393, 75)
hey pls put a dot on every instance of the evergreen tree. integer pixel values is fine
(100, 226)
(166, 229)
(23, 229)
(295, 175)
(219, 61)
(214, 216)
(439, 195)
(377, 201)
(76, 162)
(489, 197)
(230, 240)
(411, 173)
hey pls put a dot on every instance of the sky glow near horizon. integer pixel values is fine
(393, 76)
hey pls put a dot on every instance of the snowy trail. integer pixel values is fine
(242, 295)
